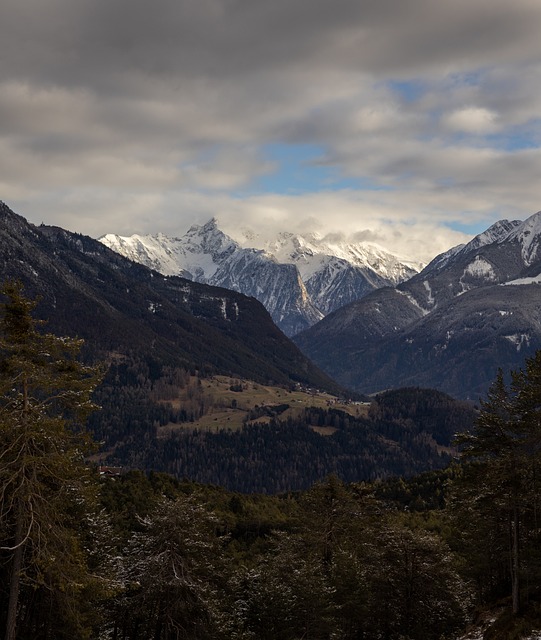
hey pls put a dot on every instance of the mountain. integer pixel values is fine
(205, 254)
(299, 279)
(336, 272)
(449, 327)
(122, 308)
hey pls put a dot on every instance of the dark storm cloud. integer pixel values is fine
(92, 41)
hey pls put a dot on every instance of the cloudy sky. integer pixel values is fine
(406, 122)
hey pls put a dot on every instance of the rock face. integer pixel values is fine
(337, 273)
(449, 327)
(121, 307)
(299, 279)
(205, 254)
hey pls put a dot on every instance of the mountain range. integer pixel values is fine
(473, 309)
(298, 278)
(123, 308)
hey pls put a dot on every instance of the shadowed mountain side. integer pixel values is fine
(117, 305)
(334, 341)
(449, 327)
(458, 348)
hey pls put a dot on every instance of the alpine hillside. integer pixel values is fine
(120, 307)
(299, 279)
(472, 310)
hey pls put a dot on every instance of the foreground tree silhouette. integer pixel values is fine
(499, 484)
(44, 399)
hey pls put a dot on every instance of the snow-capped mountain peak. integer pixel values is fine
(299, 278)
(207, 255)
(156, 252)
(208, 238)
(528, 234)
(498, 232)
(310, 251)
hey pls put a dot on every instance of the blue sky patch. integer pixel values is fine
(301, 168)
(408, 90)
(472, 229)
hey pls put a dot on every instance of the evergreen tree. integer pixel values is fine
(415, 590)
(499, 482)
(44, 398)
(173, 575)
(285, 596)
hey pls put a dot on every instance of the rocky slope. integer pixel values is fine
(449, 327)
(338, 272)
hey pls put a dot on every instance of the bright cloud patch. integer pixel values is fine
(472, 120)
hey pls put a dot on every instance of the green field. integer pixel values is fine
(227, 402)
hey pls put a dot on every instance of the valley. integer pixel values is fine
(271, 485)
(270, 320)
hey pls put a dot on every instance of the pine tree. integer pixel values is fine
(415, 590)
(503, 454)
(174, 574)
(44, 399)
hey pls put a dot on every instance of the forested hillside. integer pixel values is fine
(394, 559)
(186, 426)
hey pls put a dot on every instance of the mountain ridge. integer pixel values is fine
(299, 279)
(454, 316)
(85, 289)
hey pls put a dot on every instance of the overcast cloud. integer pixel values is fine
(409, 122)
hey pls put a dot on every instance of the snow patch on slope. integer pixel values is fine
(520, 281)
(480, 268)
(519, 340)
(529, 236)
(430, 296)
(413, 301)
